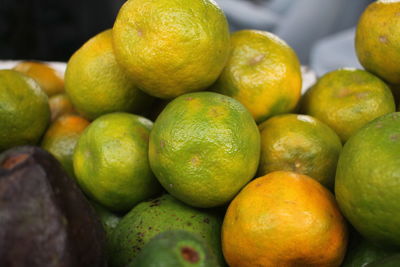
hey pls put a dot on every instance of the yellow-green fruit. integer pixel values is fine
(263, 73)
(378, 39)
(171, 47)
(111, 163)
(347, 99)
(24, 110)
(97, 85)
(301, 144)
(61, 138)
(204, 148)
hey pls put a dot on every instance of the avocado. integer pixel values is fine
(361, 252)
(175, 248)
(45, 219)
(109, 219)
(392, 261)
(161, 214)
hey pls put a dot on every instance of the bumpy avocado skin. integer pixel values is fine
(161, 214)
(175, 248)
(45, 219)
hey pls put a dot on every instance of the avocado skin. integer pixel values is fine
(45, 219)
(166, 248)
(392, 261)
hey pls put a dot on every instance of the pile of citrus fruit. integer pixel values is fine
(196, 148)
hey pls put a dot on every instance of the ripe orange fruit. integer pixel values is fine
(284, 219)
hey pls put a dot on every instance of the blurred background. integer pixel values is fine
(320, 31)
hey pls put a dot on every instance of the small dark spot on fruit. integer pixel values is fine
(162, 143)
(189, 224)
(395, 137)
(189, 98)
(190, 254)
(192, 216)
(11, 162)
(383, 39)
(140, 33)
(150, 228)
(155, 202)
(206, 220)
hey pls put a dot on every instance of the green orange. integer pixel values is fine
(263, 73)
(302, 144)
(24, 110)
(111, 161)
(378, 39)
(347, 99)
(204, 147)
(171, 47)
(97, 85)
(61, 138)
(367, 180)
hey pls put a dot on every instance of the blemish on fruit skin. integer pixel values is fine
(140, 33)
(162, 143)
(190, 254)
(11, 162)
(189, 98)
(395, 137)
(256, 60)
(383, 39)
(206, 220)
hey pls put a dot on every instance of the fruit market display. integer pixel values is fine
(174, 143)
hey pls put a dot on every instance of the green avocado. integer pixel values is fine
(362, 252)
(392, 261)
(175, 248)
(161, 214)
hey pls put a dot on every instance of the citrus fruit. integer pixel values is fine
(60, 105)
(367, 181)
(24, 110)
(301, 144)
(110, 161)
(97, 85)
(204, 147)
(347, 99)
(48, 78)
(378, 39)
(149, 218)
(61, 138)
(284, 219)
(171, 47)
(263, 73)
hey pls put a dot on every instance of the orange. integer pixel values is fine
(171, 47)
(378, 39)
(263, 73)
(204, 148)
(24, 110)
(347, 99)
(302, 144)
(50, 80)
(111, 161)
(60, 105)
(284, 219)
(367, 180)
(61, 138)
(97, 85)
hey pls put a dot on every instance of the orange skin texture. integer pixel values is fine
(284, 219)
(378, 40)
